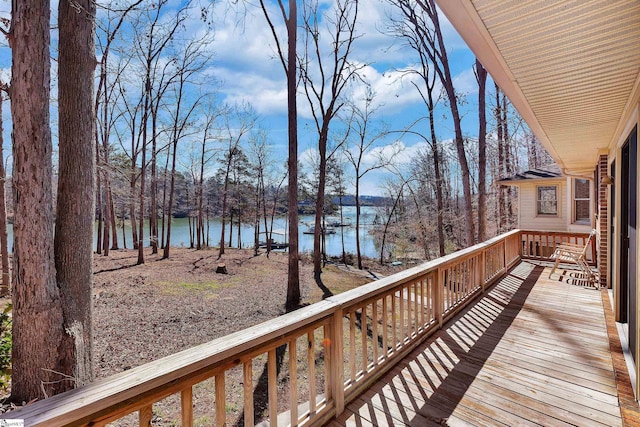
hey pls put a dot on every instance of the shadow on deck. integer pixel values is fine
(531, 351)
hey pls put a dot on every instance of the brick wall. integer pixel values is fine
(603, 219)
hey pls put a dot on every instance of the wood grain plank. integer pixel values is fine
(525, 354)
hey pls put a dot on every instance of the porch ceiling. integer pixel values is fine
(570, 67)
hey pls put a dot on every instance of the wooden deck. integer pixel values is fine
(532, 351)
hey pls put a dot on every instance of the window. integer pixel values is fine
(548, 200)
(581, 201)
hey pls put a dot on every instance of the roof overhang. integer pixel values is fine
(571, 68)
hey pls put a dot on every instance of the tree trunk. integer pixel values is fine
(230, 227)
(114, 229)
(439, 182)
(507, 159)
(132, 209)
(124, 235)
(153, 202)
(344, 254)
(143, 164)
(447, 82)
(358, 253)
(167, 244)
(501, 171)
(4, 244)
(164, 200)
(106, 237)
(224, 203)
(322, 177)
(293, 276)
(99, 231)
(386, 225)
(37, 305)
(76, 186)
(482, 150)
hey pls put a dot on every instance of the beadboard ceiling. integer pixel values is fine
(570, 67)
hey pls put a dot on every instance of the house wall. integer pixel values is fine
(630, 119)
(527, 214)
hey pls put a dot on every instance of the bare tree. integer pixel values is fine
(206, 156)
(238, 125)
(324, 78)
(104, 104)
(362, 142)
(37, 303)
(157, 32)
(4, 244)
(289, 64)
(181, 113)
(481, 76)
(75, 205)
(423, 19)
(51, 335)
(395, 189)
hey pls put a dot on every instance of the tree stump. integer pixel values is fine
(221, 269)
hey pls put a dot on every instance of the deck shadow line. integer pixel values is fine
(453, 387)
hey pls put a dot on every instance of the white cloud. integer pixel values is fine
(466, 82)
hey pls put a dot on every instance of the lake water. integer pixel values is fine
(180, 233)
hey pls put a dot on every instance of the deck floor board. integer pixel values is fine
(531, 351)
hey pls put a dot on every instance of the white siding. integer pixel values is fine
(527, 215)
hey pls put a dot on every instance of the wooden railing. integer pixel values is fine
(542, 244)
(301, 368)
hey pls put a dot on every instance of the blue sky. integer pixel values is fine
(245, 63)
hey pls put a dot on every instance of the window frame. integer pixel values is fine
(556, 188)
(574, 200)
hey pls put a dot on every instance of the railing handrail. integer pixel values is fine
(368, 290)
(112, 394)
(94, 398)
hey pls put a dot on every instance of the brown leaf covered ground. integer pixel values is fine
(144, 312)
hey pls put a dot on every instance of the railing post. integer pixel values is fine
(439, 297)
(336, 374)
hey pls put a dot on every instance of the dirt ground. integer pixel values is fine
(144, 312)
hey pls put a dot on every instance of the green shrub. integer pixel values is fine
(5, 346)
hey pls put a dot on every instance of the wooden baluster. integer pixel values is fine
(394, 314)
(221, 401)
(482, 265)
(402, 316)
(352, 345)
(247, 387)
(503, 260)
(422, 301)
(311, 363)
(456, 283)
(336, 369)
(385, 326)
(272, 375)
(429, 302)
(144, 416)
(293, 380)
(416, 317)
(374, 331)
(186, 404)
(438, 303)
(409, 308)
(363, 330)
(466, 277)
(452, 286)
(328, 358)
